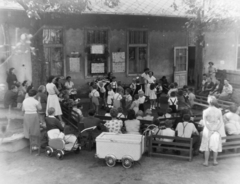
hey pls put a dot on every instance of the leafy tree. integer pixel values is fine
(204, 16)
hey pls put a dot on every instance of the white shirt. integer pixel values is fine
(151, 80)
(141, 99)
(145, 76)
(167, 132)
(108, 115)
(186, 129)
(114, 84)
(172, 101)
(117, 96)
(69, 85)
(128, 98)
(171, 90)
(94, 93)
(30, 105)
(110, 96)
(148, 117)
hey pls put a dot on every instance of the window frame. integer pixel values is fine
(52, 45)
(86, 44)
(136, 45)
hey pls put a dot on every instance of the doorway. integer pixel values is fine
(191, 65)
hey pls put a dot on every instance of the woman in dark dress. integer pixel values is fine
(164, 84)
(11, 78)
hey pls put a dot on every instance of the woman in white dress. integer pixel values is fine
(213, 131)
(53, 100)
(151, 80)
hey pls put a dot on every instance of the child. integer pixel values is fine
(175, 86)
(173, 101)
(159, 92)
(94, 95)
(120, 113)
(107, 112)
(139, 115)
(77, 107)
(133, 86)
(171, 89)
(191, 97)
(135, 104)
(188, 130)
(141, 100)
(102, 91)
(114, 84)
(128, 98)
(110, 96)
(152, 96)
(138, 87)
(117, 97)
(148, 115)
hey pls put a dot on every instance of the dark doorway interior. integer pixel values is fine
(191, 65)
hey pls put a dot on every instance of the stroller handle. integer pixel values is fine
(90, 128)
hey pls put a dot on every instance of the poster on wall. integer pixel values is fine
(97, 68)
(118, 63)
(97, 49)
(74, 64)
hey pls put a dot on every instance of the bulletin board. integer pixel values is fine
(97, 68)
(74, 64)
(118, 62)
(97, 49)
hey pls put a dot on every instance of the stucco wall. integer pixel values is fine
(221, 48)
(21, 62)
(161, 46)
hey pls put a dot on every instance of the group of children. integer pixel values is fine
(113, 95)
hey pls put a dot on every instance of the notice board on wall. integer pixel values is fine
(97, 68)
(97, 49)
(118, 62)
(74, 64)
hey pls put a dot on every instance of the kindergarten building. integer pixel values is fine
(123, 41)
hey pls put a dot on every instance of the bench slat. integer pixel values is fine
(171, 143)
(232, 137)
(170, 155)
(171, 148)
(237, 142)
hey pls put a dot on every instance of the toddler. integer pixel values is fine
(102, 91)
(94, 95)
(110, 96)
(128, 98)
(173, 101)
(114, 84)
(135, 104)
(117, 97)
(138, 87)
(152, 96)
(141, 100)
(133, 86)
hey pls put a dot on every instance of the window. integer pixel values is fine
(53, 50)
(137, 51)
(238, 53)
(97, 40)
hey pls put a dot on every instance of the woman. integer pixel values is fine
(226, 92)
(232, 121)
(11, 78)
(208, 86)
(114, 125)
(69, 84)
(213, 131)
(52, 100)
(31, 126)
(132, 124)
(41, 93)
(151, 80)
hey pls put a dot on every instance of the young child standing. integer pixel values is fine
(133, 86)
(94, 95)
(128, 98)
(159, 92)
(141, 100)
(152, 96)
(135, 104)
(114, 84)
(117, 97)
(173, 101)
(138, 87)
(102, 91)
(110, 96)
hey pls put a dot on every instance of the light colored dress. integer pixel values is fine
(53, 100)
(114, 126)
(213, 130)
(150, 80)
(152, 94)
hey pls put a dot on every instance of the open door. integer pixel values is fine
(181, 65)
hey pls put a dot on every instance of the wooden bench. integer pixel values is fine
(70, 117)
(180, 144)
(230, 147)
(202, 101)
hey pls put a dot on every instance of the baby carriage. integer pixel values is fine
(61, 144)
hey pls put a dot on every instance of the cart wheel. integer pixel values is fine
(127, 162)
(49, 151)
(110, 160)
(60, 154)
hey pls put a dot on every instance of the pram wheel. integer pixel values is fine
(49, 151)
(127, 162)
(110, 161)
(59, 154)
